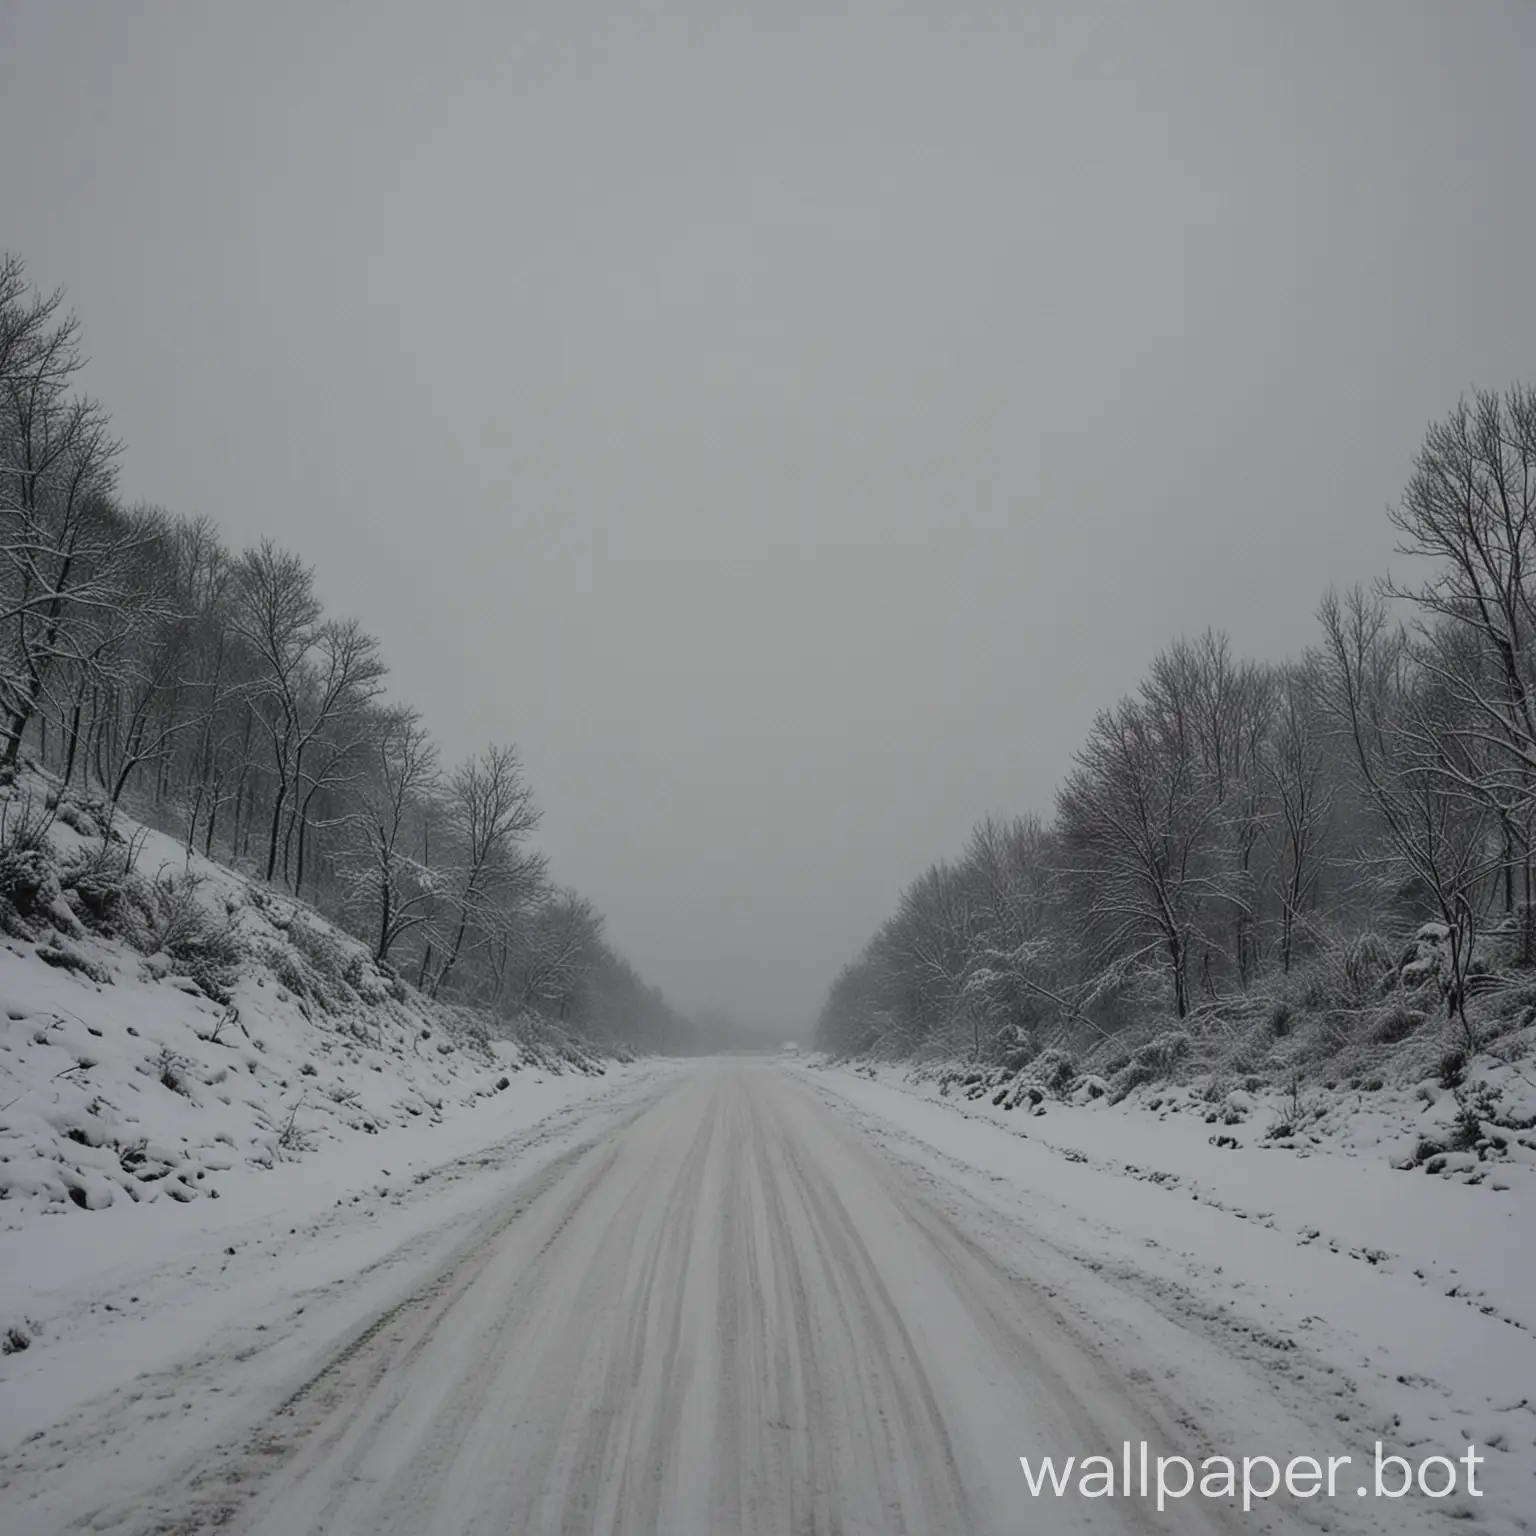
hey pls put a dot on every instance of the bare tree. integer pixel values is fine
(492, 812)
(927, 952)
(38, 341)
(338, 725)
(1294, 762)
(1470, 507)
(277, 615)
(1217, 709)
(1470, 510)
(1013, 980)
(1439, 839)
(557, 952)
(215, 674)
(393, 889)
(1136, 818)
(317, 676)
(64, 547)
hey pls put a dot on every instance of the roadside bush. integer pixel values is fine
(1149, 1062)
(109, 898)
(320, 949)
(360, 974)
(1014, 1055)
(1426, 959)
(1396, 1024)
(322, 963)
(1351, 973)
(1367, 962)
(1453, 1068)
(29, 880)
(171, 1070)
(1477, 1108)
(1056, 1069)
(289, 970)
(63, 958)
(202, 946)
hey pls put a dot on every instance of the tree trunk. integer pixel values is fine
(74, 740)
(384, 901)
(277, 825)
(1176, 967)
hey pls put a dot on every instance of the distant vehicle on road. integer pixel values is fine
(790, 1048)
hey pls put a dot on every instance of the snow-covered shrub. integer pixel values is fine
(1510, 1002)
(1151, 1061)
(289, 970)
(1453, 1068)
(1056, 1069)
(362, 976)
(1366, 966)
(1020, 1092)
(106, 895)
(1426, 960)
(75, 816)
(202, 946)
(323, 962)
(1350, 974)
(1467, 1130)
(29, 880)
(1396, 1023)
(1014, 1051)
(396, 985)
(64, 958)
(171, 1069)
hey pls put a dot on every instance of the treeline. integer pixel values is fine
(141, 657)
(1233, 820)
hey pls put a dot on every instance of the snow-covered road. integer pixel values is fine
(725, 1307)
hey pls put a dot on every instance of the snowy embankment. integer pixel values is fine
(139, 1290)
(1407, 1299)
(174, 1035)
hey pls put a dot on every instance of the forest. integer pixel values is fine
(1243, 838)
(145, 664)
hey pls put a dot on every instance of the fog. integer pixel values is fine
(788, 423)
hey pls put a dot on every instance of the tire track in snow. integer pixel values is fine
(730, 1313)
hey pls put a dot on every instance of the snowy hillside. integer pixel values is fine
(1402, 1304)
(1418, 1106)
(170, 1026)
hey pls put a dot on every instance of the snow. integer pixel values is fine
(1406, 1300)
(104, 1299)
(125, 1080)
(174, 1151)
(850, 1287)
(732, 1294)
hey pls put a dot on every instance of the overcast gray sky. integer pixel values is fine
(787, 421)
